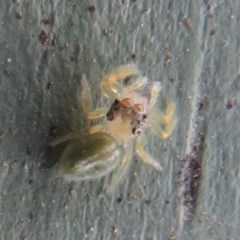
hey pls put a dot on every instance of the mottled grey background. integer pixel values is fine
(192, 47)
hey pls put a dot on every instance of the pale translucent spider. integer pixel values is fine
(111, 145)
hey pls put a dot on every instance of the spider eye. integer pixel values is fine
(116, 101)
(138, 108)
(139, 131)
(127, 102)
(110, 116)
(136, 131)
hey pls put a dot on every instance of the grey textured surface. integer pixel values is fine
(197, 196)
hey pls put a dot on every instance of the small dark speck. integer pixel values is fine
(52, 130)
(30, 181)
(230, 103)
(212, 32)
(6, 71)
(44, 38)
(133, 56)
(30, 215)
(48, 20)
(114, 229)
(147, 201)
(167, 201)
(18, 15)
(186, 22)
(119, 199)
(49, 85)
(28, 151)
(203, 104)
(92, 9)
(107, 31)
(53, 42)
(126, 80)
(172, 78)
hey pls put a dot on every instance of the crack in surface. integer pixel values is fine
(191, 173)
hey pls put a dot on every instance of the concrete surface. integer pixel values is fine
(192, 47)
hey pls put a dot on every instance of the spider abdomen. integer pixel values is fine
(91, 156)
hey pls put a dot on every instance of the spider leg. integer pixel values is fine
(154, 92)
(144, 156)
(85, 100)
(163, 123)
(65, 138)
(109, 85)
(95, 128)
(121, 170)
(137, 84)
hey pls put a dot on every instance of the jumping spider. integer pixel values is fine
(111, 145)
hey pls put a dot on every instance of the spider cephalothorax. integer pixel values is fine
(130, 113)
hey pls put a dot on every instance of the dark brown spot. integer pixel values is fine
(44, 38)
(18, 15)
(212, 32)
(147, 201)
(209, 7)
(92, 9)
(186, 22)
(133, 56)
(49, 85)
(114, 229)
(203, 103)
(230, 103)
(53, 131)
(48, 20)
(119, 199)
